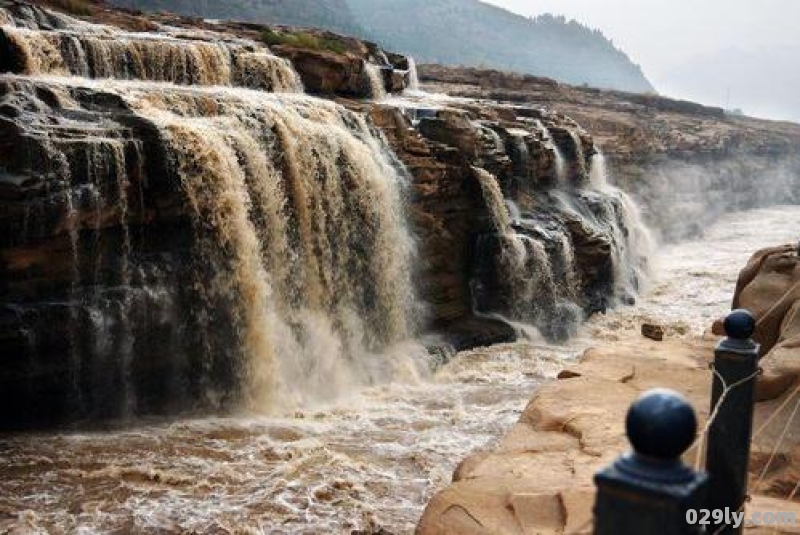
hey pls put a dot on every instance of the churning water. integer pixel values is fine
(300, 206)
(370, 460)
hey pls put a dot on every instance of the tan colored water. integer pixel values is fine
(96, 51)
(372, 459)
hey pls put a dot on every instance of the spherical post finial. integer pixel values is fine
(661, 424)
(740, 324)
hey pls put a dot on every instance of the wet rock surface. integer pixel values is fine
(512, 214)
(539, 478)
(686, 163)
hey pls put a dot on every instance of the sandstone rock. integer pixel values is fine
(539, 478)
(653, 331)
(327, 73)
(570, 429)
(769, 287)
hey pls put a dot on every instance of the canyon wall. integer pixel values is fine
(185, 228)
(685, 163)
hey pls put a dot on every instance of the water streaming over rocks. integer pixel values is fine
(374, 75)
(413, 75)
(560, 162)
(366, 462)
(97, 51)
(296, 206)
(527, 271)
(181, 239)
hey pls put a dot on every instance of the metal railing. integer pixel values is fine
(650, 490)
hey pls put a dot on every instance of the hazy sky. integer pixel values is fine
(677, 40)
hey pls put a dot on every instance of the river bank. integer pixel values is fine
(365, 463)
(539, 478)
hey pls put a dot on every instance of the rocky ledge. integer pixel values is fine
(501, 199)
(539, 478)
(685, 162)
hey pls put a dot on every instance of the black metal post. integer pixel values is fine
(728, 451)
(650, 490)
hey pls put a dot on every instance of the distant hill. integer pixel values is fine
(334, 15)
(471, 33)
(455, 32)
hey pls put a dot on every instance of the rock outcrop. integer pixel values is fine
(539, 478)
(769, 287)
(105, 249)
(686, 163)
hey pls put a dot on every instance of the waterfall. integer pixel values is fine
(224, 244)
(580, 154)
(493, 197)
(574, 249)
(520, 155)
(634, 244)
(216, 238)
(103, 53)
(316, 254)
(413, 75)
(516, 278)
(375, 80)
(513, 210)
(301, 241)
(560, 161)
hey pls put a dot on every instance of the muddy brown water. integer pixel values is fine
(370, 460)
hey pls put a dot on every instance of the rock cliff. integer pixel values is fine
(183, 228)
(686, 163)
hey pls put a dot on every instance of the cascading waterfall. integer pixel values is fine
(633, 243)
(580, 154)
(413, 75)
(96, 51)
(520, 154)
(303, 227)
(294, 260)
(374, 78)
(513, 210)
(527, 267)
(522, 270)
(493, 197)
(227, 245)
(560, 161)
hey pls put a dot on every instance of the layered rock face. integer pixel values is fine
(184, 228)
(177, 235)
(685, 163)
(514, 219)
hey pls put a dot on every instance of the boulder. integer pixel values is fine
(769, 287)
(653, 331)
(327, 73)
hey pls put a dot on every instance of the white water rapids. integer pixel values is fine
(371, 460)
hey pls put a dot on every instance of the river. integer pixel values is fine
(370, 461)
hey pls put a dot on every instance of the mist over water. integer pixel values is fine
(681, 199)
